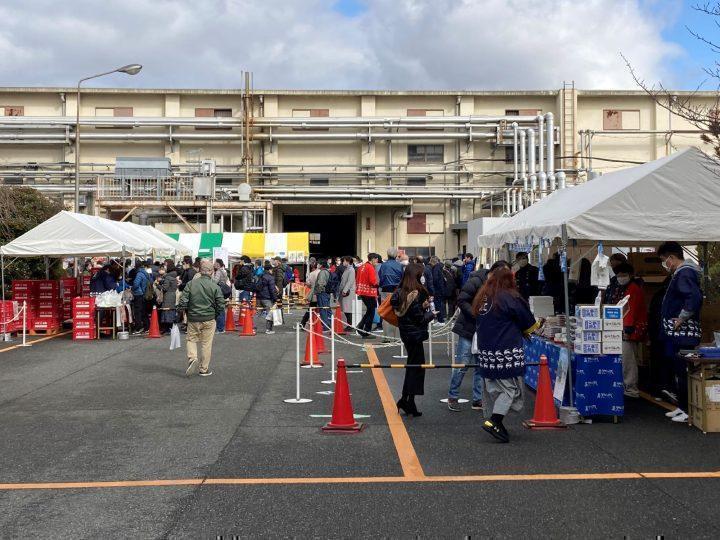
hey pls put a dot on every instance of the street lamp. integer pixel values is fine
(130, 69)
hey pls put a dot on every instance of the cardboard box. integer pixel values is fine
(704, 403)
(612, 347)
(587, 311)
(587, 348)
(612, 312)
(613, 336)
(612, 325)
(588, 336)
(589, 324)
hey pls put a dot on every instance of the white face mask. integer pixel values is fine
(422, 280)
(148, 270)
(623, 280)
(665, 265)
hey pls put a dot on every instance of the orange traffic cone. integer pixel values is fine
(230, 320)
(154, 325)
(311, 354)
(343, 418)
(338, 321)
(317, 329)
(247, 328)
(545, 416)
(243, 311)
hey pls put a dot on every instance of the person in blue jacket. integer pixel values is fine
(389, 275)
(680, 318)
(139, 287)
(468, 267)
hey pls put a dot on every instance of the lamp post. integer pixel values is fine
(130, 69)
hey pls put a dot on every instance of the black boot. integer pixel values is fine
(413, 408)
(404, 405)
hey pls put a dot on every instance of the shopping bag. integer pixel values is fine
(175, 337)
(386, 311)
(277, 317)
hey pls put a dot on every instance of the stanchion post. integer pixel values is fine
(312, 338)
(332, 350)
(24, 310)
(297, 398)
(430, 344)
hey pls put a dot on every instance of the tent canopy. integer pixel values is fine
(69, 234)
(672, 198)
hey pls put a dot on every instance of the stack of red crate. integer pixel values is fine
(68, 291)
(49, 305)
(25, 290)
(7, 314)
(83, 315)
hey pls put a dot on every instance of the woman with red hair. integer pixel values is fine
(503, 320)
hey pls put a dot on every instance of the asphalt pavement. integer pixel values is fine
(224, 455)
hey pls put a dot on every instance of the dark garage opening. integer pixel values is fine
(330, 234)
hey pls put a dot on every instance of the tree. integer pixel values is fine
(703, 115)
(21, 209)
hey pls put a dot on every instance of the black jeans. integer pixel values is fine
(414, 384)
(140, 320)
(367, 320)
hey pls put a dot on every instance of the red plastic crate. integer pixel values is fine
(45, 324)
(24, 285)
(48, 285)
(83, 335)
(84, 302)
(87, 324)
(49, 303)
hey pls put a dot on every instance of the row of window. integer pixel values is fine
(613, 119)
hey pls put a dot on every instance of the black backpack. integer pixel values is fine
(332, 282)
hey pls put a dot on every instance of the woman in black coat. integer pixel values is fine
(410, 302)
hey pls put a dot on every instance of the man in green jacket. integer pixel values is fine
(203, 301)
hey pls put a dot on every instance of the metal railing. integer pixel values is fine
(177, 188)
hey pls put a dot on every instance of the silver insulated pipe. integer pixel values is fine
(550, 137)
(523, 160)
(531, 159)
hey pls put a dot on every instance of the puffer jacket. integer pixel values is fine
(465, 323)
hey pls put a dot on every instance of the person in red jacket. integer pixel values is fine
(634, 325)
(366, 282)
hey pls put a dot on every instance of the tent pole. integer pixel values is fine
(706, 267)
(567, 316)
(47, 267)
(2, 270)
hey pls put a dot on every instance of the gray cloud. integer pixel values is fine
(405, 44)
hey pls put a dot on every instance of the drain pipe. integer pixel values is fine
(523, 160)
(531, 160)
(515, 152)
(550, 137)
(562, 183)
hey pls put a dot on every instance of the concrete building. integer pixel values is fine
(360, 170)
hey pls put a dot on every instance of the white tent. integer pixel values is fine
(69, 234)
(673, 198)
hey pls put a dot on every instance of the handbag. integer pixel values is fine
(386, 311)
(277, 317)
(175, 337)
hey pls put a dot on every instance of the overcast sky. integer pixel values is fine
(353, 44)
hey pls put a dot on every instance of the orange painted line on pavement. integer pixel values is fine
(34, 341)
(559, 477)
(406, 451)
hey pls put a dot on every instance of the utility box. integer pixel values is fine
(203, 186)
(131, 168)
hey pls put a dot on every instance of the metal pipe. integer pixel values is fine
(523, 160)
(515, 152)
(531, 159)
(561, 178)
(550, 137)
(541, 144)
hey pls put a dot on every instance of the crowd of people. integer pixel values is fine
(491, 307)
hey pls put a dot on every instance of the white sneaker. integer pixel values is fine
(674, 412)
(682, 417)
(269, 332)
(192, 366)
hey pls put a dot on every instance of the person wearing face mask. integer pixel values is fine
(139, 287)
(680, 315)
(526, 276)
(346, 289)
(389, 274)
(612, 292)
(168, 284)
(634, 325)
(367, 284)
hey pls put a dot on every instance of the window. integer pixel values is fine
(314, 238)
(417, 181)
(320, 181)
(617, 119)
(311, 113)
(114, 111)
(13, 110)
(509, 181)
(202, 112)
(509, 154)
(522, 112)
(415, 251)
(426, 153)
(426, 224)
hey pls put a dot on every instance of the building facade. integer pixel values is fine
(359, 170)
